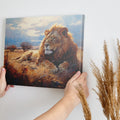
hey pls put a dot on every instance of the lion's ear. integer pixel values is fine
(47, 32)
(64, 32)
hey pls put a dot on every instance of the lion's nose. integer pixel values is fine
(46, 44)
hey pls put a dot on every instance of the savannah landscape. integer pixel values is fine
(25, 73)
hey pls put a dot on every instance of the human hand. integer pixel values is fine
(3, 85)
(71, 93)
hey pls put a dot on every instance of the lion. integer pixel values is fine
(57, 51)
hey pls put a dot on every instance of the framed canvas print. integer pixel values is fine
(43, 51)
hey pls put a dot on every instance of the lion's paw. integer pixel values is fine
(63, 66)
(49, 66)
(54, 70)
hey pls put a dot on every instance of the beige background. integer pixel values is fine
(102, 22)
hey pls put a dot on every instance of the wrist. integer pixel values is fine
(71, 100)
(67, 105)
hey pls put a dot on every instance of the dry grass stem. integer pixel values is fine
(86, 110)
(108, 85)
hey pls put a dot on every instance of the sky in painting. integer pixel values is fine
(31, 29)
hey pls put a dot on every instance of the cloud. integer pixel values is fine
(77, 23)
(32, 33)
(27, 23)
(31, 25)
(35, 40)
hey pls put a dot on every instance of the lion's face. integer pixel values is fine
(54, 40)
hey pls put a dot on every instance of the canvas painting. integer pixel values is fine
(43, 51)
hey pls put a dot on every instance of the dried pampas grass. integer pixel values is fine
(108, 84)
(86, 110)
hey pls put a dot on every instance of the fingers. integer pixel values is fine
(7, 88)
(75, 76)
(3, 72)
(2, 76)
(0, 70)
(3, 84)
(82, 77)
(81, 80)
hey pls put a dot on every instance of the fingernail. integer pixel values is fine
(3, 69)
(78, 73)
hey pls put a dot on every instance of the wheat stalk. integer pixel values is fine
(108, 84)
(86, 109)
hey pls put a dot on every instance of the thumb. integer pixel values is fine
(74, 77)
(3, 72)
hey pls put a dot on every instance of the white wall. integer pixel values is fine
(102, 23)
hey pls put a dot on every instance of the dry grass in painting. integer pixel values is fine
(108, 84)
(27, 73)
